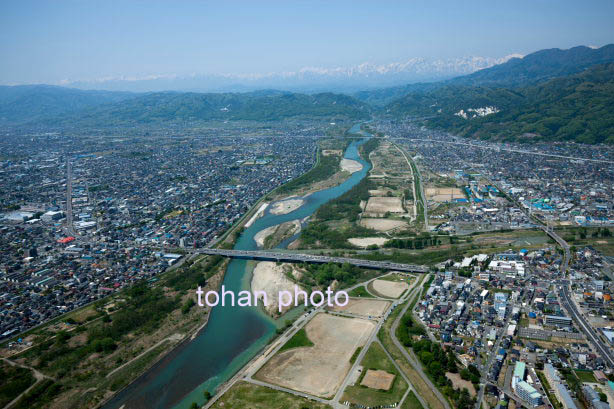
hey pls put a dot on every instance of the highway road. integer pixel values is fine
(312, 258)
(70, 227)
(416, 178)
(570, 306)
(499, 149)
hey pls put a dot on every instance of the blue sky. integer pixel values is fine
(50, 41)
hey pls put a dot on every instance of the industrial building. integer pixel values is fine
(558, 321)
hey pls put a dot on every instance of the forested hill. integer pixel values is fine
(538, 67)
(574, 108)
(56, 106)
(530, 70)
(165, 107)
(548, 95)
(24, 103)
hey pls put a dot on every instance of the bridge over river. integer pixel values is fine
(312, 258)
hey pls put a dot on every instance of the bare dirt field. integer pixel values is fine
(350, 165)
(329, 152)
(320, 369)
(382, 224)
(389, 163)
(384, 204)
(378, 379)
(367, 241)
(457, 382)
(378, 192)
(364, 307)
(444, 194)
(286, 206)
(271, 278)
(392, 289)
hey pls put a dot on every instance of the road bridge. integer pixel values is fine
(312, 258)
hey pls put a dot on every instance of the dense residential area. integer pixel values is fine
(131, 201)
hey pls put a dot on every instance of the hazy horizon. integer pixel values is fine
(190, 45)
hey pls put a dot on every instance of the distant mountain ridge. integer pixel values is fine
(538, 67)
(576, 108)
(516, 72)
(171, 106)
(25, 103)
(305, 80)
(56, 106)
(547, 95)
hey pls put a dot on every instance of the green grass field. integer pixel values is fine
(300, 339)
(355, 355)
(376, 358)
(412, 402)
(591, 236)
(13, 381)
(586, 376)
(360, 292)
(245, 395)
(396, 278)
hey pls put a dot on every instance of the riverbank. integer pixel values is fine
(220, 350)
(90, 353)
(214, 283)
(257, 214)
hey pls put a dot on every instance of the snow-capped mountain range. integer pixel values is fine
(362, 76)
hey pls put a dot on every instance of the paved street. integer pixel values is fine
(70, 227)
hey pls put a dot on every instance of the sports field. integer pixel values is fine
(364, 307)
(319, 369)
(384, 205)
(392, 289)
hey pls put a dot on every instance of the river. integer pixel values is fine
(233, 335)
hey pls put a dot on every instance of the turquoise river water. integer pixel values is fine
(233, 335)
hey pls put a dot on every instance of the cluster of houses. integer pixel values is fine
(135, 200)
(544, 178)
